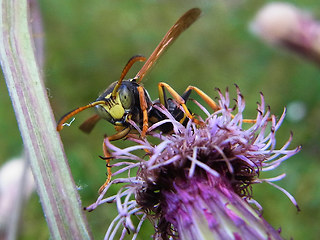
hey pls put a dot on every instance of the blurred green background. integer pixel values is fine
(89, 42)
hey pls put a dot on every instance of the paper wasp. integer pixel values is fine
(126, 100)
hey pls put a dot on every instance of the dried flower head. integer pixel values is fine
(285, 25)
(196, 182)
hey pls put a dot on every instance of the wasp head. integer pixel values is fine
(117, 105)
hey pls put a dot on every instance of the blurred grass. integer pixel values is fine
(89, 42)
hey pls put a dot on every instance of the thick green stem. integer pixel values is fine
(56, 188)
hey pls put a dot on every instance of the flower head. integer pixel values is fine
(286, 26)
(197, 181)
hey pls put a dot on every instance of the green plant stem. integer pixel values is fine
(55, 186)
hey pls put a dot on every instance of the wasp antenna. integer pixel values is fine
(74, 112)
(132, 60)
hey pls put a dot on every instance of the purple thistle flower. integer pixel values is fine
(196, 183)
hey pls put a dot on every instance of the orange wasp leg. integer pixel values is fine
(144, 107)
(205, 97)
(212, 103)
(251, 120)
(178, 98)
(108, 156)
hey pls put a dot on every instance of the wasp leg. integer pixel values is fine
(204, 96)
(212, 103)
(107, 154)
(144, 107)
(161, 87)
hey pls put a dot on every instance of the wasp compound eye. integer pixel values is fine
(126, 97)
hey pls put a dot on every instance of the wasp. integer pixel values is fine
(127, 100)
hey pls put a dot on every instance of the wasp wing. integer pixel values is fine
(181, 25)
